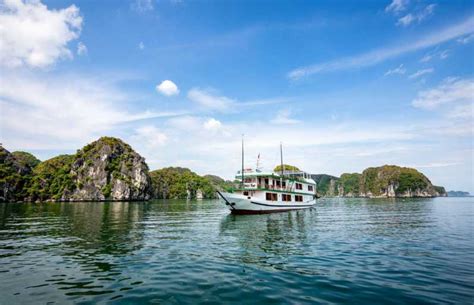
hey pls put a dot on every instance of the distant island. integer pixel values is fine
(109, 169)
(374, 182)
(458, 194)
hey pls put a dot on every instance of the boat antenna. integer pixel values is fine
(242, 172)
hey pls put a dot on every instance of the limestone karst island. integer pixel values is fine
(109, 169)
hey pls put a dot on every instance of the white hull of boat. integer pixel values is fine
(241, 204)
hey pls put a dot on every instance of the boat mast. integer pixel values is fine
(281, 161)
(242, 172)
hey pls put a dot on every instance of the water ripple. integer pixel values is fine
(178, 252)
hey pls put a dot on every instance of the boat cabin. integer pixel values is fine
(289, 186)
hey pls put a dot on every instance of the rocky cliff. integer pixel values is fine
(107, 169)
(395, 181)
(15, 173)
(383, 181)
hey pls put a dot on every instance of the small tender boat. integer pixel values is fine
(268, 192)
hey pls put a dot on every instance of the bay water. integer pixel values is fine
(344, 251)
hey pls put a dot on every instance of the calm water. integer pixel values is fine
(351, 251)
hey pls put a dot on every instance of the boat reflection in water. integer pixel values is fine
(269, 240)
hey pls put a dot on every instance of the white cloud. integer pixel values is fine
(466, 39)
(421, 73)
(142, 6)
(211, 101)
(399, 70)
(444, 54)
(417, 17)
(428, 11)
(141, 45)
(81, 49)
(185, 122)
(220, 154)
(260, 102)
(435, 164)
(451, 90)
(465, 111)
(62, 110)
(396, 6)
(379, 55)
(151, 136)
(426, 58)
(406, 20)
(283, 118)
(167, 88)
(435, 54)
(212, 124)
(32, 35)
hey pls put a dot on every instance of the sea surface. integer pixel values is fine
(344, 251)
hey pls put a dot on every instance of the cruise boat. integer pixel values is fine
(268, 192)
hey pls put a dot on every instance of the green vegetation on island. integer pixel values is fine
(286, 167)
(51, 179)
(350, 183)
(325, 184)
(25, 159)
(15, 175)
(180, 183)
(106, 169)
(109, 169)
(383, 181)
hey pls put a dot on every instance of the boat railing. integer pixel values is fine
(255, 186)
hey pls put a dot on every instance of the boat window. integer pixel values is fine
(246, 193)
(271, 196)
(310, 188)
(299, 186)
(298, 198)
(278, 182)
(283, 184)
(286, 197)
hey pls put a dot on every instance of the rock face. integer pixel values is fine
(384, 181)
(15, 173)
(107, 169)
(395, 181)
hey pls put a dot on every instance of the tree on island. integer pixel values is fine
(286, 167)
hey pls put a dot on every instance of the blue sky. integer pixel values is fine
(343, 84)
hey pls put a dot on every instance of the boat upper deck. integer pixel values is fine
(299, 176)
(298, 183)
